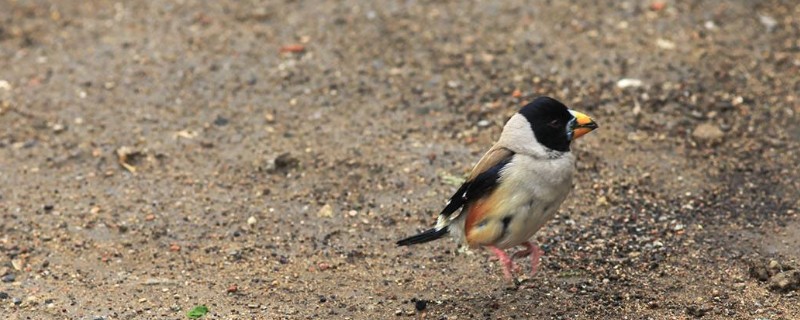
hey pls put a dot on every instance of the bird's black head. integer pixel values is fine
(550, 121)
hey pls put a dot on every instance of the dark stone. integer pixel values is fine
(696, 311)
(220, 121)
(285, 161)
(759, 272)
(9, 278)
(420, 305)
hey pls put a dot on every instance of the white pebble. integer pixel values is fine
(768, 22)
(629, 83)
(665, 44)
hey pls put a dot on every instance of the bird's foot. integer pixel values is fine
(534, 252)
(508, 265)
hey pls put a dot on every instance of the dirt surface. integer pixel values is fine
(261, 158)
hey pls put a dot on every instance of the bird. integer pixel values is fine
(517, 186)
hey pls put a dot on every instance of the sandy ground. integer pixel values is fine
(261, 158)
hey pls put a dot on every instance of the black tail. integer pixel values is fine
(428, 235)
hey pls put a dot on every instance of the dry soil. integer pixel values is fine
(261, 157)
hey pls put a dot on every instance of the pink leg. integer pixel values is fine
(507, 263)
(535, 254)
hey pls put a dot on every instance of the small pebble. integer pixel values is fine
(707, 131)
(251, 221)
(9, 278)
(420, 305)
(658, 244)
(774, 264)
(658, 5)
(220, 121)
(769, 22)
(785, 281)
(17, 264)
(3, 295)
(58, 128)
(697, 310)
(759, 272)
(665, 44)
(629, 83)
(325, 212)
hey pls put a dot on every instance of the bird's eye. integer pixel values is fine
(553, 124)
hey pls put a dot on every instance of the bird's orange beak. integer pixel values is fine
(583, 124)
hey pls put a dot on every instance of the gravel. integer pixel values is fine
(138, 137)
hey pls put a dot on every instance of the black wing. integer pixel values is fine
(474, 189)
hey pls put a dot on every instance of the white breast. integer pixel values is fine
(537, 187)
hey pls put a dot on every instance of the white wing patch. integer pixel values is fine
(441, 223)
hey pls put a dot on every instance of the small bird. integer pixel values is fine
(516, 186)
